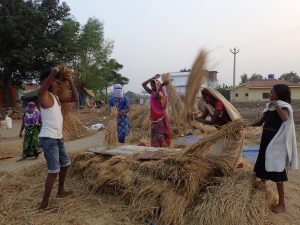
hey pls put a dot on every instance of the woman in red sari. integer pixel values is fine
(160, 129)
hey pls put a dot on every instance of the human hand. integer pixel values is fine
(20, 134)
(56, 69)
(165, 83)
(121, 113)
(273, 105)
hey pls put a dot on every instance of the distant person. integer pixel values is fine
(51, 138)
(278, 146)
(31, 122)
(160, 128)
(214, 108)
(121, 102)
(221, 112)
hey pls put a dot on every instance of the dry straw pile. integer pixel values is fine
(176, 189)
(221, 201)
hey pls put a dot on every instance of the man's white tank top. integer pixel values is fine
(52, 121)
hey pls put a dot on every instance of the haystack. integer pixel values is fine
(165, 189)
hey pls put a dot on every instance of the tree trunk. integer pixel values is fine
(7, 89)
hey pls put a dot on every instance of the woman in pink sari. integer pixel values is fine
(160, 129)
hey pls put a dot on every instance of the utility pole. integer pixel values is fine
(234, 52)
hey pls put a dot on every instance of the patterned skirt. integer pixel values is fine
(31, 146)
(160, 134)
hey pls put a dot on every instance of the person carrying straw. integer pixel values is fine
(160, 128)
(122, 103)
(51, 137)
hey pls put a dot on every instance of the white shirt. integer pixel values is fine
(52, 121)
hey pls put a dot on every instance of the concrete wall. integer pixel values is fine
(256, 94)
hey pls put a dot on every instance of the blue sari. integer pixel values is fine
(123, 121)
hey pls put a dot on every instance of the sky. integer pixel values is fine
(161, 36)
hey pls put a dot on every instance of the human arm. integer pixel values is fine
(258, 123)
(48, 82)
(282, 112)
(44, 95)
(145, 83)
(202, 118)
(126, 107)
(75, 96)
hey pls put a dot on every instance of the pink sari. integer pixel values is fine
(160, 129)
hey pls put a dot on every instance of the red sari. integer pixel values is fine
(160, 129)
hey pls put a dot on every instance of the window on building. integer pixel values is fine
(236, 95)
(265, 95)
(246, 94)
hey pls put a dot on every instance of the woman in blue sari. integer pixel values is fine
(122, 104)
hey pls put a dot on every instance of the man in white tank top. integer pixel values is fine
(51, 136)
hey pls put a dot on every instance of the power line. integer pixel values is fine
(271, 36)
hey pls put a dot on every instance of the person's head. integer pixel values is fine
(207, 96)
(30, 108)
(43, 76)
(153, 85)
(280, 92)
(118, 90)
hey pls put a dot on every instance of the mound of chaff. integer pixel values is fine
(167, 190)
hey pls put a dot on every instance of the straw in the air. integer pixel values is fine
(196, 78)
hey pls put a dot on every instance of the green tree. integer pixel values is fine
(96, 69)
(244, 78)
(291, 77)
(256, 76)
(30, 39)
(224, 90)
(110, 74)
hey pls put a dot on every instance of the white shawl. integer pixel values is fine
(281, 152)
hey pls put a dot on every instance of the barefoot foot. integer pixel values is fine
(64, 194)
(278, 209)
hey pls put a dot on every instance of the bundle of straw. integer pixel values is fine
(227, 131)
(206, 129)
(73, 128)
(176, 107)
(196, 78)
(111, 131)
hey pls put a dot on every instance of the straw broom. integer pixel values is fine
(111, 131)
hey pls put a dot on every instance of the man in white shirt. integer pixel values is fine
(51, 138)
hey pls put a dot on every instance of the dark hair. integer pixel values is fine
(44, 74)
(283, 92)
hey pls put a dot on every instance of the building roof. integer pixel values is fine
(266, 84)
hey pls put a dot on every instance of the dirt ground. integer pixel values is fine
(97, 209)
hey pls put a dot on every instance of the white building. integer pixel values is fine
(179, 80)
